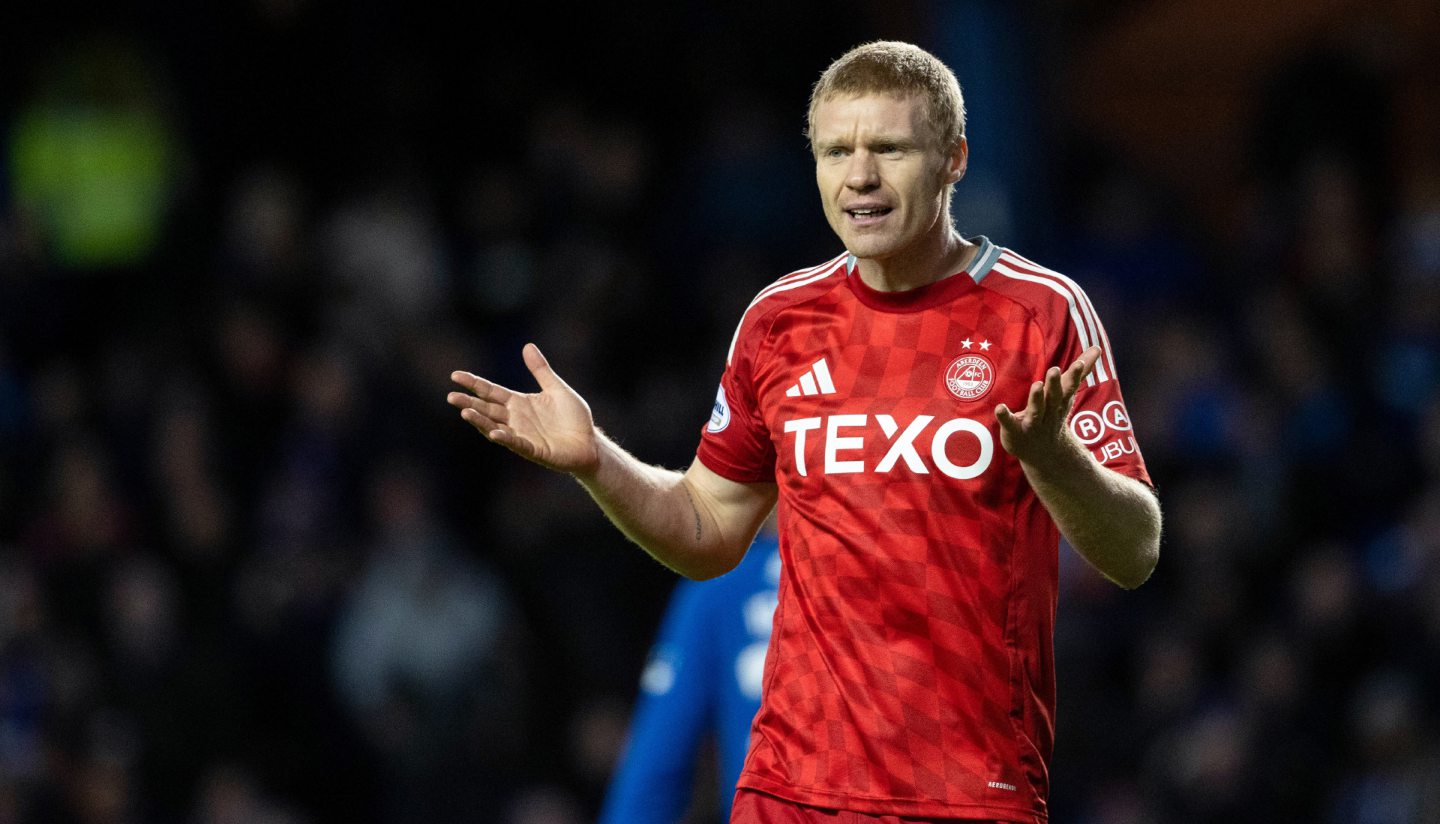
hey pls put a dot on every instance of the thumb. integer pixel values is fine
(540, 368)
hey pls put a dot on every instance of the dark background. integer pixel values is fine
(254, 569)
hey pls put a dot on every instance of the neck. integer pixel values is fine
(940, 255)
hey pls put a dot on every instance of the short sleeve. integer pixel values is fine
(1099, 418)
(735, 443)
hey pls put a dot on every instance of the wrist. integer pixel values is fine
(589, 472)
(1065, 458)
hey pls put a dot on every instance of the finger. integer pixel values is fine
(1081, 369)
(1072, 378)
(1055, 395)
(483, 423)
(1035, 403)
(515, 443)
(499, 433)
(494, 411)
(481, 388)
(540, 368)
(1087, 362)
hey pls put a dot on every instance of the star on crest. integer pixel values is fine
(965, 344)
(985, 345)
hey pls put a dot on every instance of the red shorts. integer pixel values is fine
(752, 807)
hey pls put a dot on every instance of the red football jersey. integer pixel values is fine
(911, 668)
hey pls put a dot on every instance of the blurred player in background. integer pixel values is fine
(703, 678)
(911, 670)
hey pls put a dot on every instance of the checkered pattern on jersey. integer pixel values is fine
(910, 670)
(891, 669)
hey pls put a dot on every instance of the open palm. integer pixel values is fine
(552, 427)
(1033, 433)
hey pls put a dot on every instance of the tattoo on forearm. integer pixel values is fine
(695, 509)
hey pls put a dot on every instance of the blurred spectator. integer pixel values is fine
(1397, 777)
(544, 805)
(382, 259)
(95, 157)
(227, 795)
(425, 660)
(24, 694)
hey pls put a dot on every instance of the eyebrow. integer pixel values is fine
(878, 140)
(899, 142)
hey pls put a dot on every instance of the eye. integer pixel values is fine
(835, 151)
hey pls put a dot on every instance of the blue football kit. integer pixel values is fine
(703, 678)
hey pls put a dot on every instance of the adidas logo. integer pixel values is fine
(815, 381)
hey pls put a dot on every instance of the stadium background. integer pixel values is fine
(253, 568)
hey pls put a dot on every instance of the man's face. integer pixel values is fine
(882, 172)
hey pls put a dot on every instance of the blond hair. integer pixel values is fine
(899, 69)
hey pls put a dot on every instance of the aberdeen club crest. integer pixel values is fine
(969, 377)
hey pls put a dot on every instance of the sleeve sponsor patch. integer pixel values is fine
(720, 414)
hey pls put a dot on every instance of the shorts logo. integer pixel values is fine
(719, 414)
(969, 377)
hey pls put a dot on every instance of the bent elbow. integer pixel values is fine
(708, 572)
(1141, 573)
(711, 565)
(1146, 559)
(1147, 553)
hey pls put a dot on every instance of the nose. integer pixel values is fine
(863, 174)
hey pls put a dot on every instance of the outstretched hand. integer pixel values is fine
(552, 427)
(1038, 431)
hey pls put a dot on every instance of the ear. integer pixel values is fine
(957, 162)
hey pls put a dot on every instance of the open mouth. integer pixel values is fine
(868, 214)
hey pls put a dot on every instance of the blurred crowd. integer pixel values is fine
(253, 569)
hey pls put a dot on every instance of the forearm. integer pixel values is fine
(664, 513)
(1113, 521)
